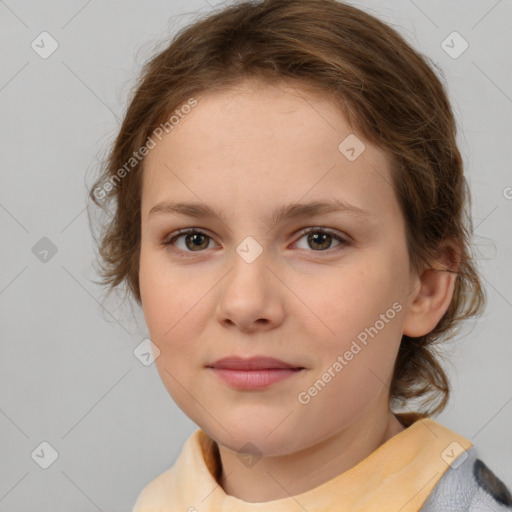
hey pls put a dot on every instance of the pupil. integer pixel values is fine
(194, 238)
(318, 237)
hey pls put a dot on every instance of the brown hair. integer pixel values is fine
(390, 95)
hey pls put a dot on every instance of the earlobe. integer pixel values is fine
(433, 295)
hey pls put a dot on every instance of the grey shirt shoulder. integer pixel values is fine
(468, 485)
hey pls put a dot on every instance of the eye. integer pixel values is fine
(194, 240)
(320, 239)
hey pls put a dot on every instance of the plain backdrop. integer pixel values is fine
(68, 373)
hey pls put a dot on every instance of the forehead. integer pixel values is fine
(276, 141)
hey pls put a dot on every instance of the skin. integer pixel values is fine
(246, 151)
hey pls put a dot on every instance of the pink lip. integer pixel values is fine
(254, 379)
(251, 363)
(253, 373)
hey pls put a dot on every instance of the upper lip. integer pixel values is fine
(252, 363)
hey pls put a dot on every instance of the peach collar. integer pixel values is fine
(399, 475)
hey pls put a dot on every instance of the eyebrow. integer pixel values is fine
(280, 214)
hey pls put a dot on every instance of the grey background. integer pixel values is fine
(68, 374)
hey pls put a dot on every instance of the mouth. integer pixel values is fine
(257, 363)
(253, 373)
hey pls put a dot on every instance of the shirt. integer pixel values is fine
(426, 467)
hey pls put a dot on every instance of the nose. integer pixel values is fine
(251, 296)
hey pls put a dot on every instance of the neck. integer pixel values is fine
(278, 477)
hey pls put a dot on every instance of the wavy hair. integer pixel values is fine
(389, 93)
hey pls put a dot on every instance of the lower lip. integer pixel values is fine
(254, 379)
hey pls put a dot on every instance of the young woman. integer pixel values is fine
(290, 212)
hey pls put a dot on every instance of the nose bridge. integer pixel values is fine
(250, 263)
(250, 250)
(248, 294)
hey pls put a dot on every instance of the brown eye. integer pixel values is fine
(194, 241)
(321, 240)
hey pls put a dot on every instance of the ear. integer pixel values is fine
(432, 292)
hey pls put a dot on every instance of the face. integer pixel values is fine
(325, 291)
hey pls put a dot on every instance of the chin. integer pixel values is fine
(255, 440)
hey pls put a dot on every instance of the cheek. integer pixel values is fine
(169, 313)
(165, 298)
(175, 308)
(354, 299)
(153, 296)
(364, 308)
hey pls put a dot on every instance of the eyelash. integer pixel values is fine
(194, 231)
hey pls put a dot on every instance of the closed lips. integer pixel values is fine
(255, 363)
